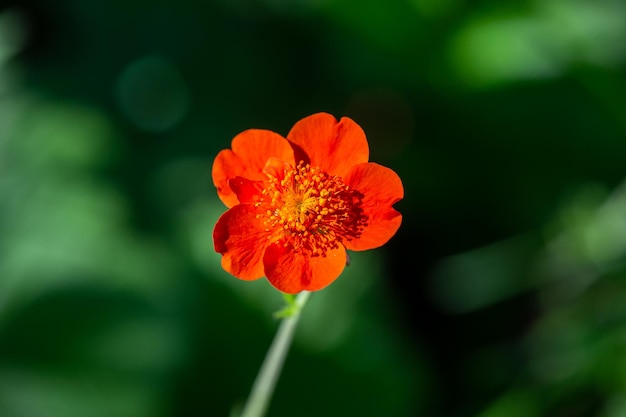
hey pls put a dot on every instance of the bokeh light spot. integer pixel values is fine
(152, 94)
(501, 49)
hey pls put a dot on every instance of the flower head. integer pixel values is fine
(297, 203)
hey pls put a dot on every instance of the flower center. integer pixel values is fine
(308, 209)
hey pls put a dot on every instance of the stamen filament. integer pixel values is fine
(311, 210)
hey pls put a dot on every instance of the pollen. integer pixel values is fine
(307, 209)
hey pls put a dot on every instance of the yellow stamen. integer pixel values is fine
(311, 210)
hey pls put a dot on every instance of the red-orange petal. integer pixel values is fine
(247, 191)
(250, 151)
(331, 145)
(241, 238)
(292, 272)
(381, 188)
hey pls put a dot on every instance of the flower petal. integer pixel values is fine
(250, 151)
(241, 238)
(293, 272)
(247, 191)
(381, 188)
(333, 146)
(276, 168)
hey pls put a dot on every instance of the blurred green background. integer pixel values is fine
(502, 295)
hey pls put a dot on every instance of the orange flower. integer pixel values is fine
(296, 204)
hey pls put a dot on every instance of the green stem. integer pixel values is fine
(265, 382)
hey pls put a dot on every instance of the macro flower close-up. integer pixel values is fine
(313, 208)
(297, 203)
